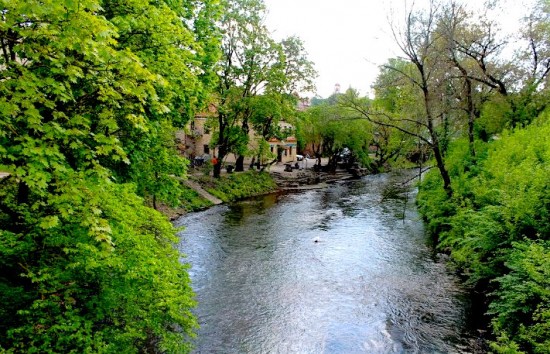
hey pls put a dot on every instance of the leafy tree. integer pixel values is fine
(175, 40)
(267, 111)
(521, 310)
(156, 167)
(309, 127)
(247, 54)
(427, 76)
(95, 272)
(456, 29)
(330, 130)
(476, 51)
(89, 93)
(253, 64)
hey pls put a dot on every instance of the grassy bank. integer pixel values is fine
(497, 230)
(240, 185)
(189, 201)
(228, 188)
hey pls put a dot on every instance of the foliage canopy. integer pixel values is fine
(90, 91)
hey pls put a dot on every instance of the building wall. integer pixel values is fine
(285, 149)
(195, 139)
(194, 142)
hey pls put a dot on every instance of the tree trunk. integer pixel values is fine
(471, 113)
(436, 144)
(471, 138)
(218, 165)
(318, 157)
(470, 108)
(239, 164)
(442, 169)
(222, 152)
(333, 163)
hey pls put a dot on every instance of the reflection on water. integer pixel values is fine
(369, 286)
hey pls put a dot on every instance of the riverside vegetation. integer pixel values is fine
(479, 121)
(228, 188)
(92, 91)
(240, 185)
(90, 94)
(497, 227)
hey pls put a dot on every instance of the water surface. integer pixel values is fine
(369, 285)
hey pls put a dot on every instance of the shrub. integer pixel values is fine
(521, 308)
(101, 275)
(496, 228)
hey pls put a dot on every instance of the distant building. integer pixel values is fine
(285, 149)
(195, 141)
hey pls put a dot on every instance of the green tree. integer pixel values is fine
(496, 229)
(175, 40)
(247, 55)
(309, 126)
(85, 103)
(516, 84)
(425, 72)
(331, 129)
(253, 64)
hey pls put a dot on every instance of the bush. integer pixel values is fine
(101, 276)
(496, 228)
(433, 204)
(522, 304)
(191, 200)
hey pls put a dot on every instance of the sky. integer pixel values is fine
(349, 39)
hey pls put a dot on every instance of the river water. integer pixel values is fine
(346, 269)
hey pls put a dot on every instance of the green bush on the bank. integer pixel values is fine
(522, 309)
(496, 229)
(87, 116)
(101, 275)
(240, 185)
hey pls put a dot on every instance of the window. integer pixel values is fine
(271, 148)
(206, 149)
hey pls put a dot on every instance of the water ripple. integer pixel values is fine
(368, 285)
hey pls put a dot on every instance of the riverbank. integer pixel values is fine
(205, 191)
(496, 230)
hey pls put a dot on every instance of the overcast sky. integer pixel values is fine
(348, 39)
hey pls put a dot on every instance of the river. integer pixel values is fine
(345, 269)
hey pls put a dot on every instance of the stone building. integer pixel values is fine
(195, 141)
(285, 150)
